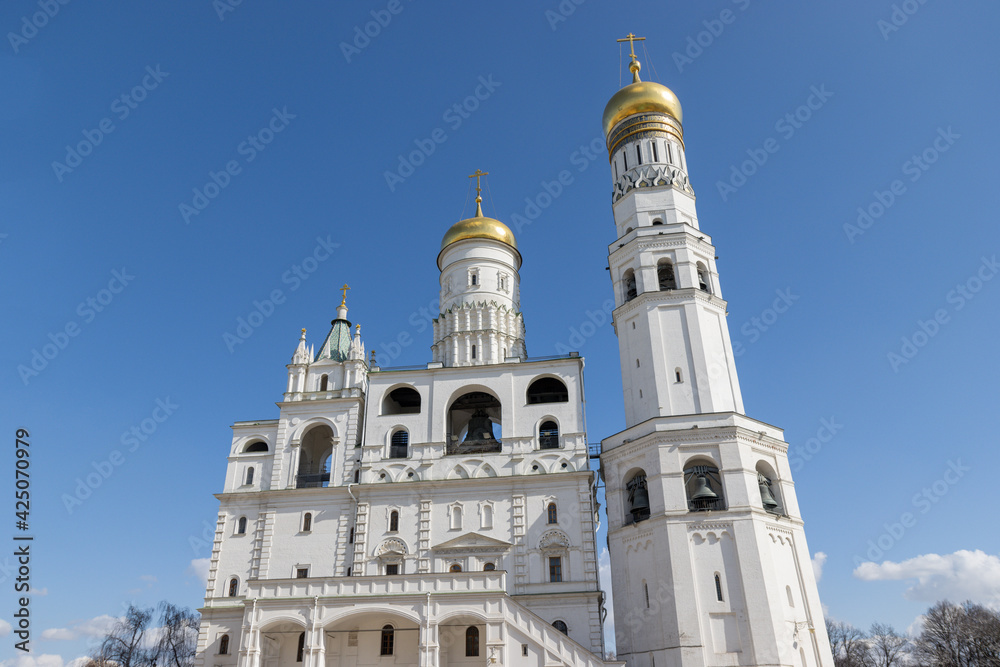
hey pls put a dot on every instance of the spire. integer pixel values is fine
(635, 65)
(479, 197)
(337, 345)
(357, 352)
(301, 355)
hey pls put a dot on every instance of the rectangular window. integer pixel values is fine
(392, 568)
(656, 158)
(302, 573)
(555, 568)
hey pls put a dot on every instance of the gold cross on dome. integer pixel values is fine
(343, 290)
(476, 176)
(632, 39)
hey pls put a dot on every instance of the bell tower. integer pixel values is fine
(708, 553)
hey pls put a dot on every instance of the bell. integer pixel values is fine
(703, 491)
(480, 427)
(640, 501)
(767, 497)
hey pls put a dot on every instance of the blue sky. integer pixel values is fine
(897, 80)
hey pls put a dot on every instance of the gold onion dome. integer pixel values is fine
(479, 227)
(640, 97)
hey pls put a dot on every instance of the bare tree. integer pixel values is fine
(849, 645)
(886, 647)
(132, 642)
(966, 635)
(178, 636)
(124, 643)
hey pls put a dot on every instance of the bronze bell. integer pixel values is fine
(480, 427)
(640, 501)
(767, 497)
(703, 491)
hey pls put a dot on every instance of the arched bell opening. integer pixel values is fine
(770, 493)
(703, 486)
(665, 275)
(636, 497)
(401, 401)
(474, 421)
(314, 458)
(629, 286)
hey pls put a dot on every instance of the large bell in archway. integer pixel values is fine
(480, 428)
(767, 497)
(640, 501)
(702, 490)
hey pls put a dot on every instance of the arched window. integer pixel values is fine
(401, 401)
(718, 586)
(665, 275)
(703, 486)
(788, 592)
(489, 567)
(394, 521)
(703, 283)
(657, 221)
(224, 645)
(388, 640)
(250, 475)
(255, 447)
(561, 627)
(548, 435)
(456, 517)
(628, 285)
(547, 390)
(455, 568)
(398, 444)
(553, 513)
(324, 382)
(472, 641)
(487, 516)
(301, 648)
(473, 351)
(241, 526)
(234, 585)
(307, 522)
(678, 377)
(357, 476)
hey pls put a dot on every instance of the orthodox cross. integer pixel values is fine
(476, 176)
(632, 39)
(343, 290)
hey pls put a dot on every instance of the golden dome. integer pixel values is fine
(479, 227)
(640, 97)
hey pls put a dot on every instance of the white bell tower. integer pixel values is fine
(708, 554)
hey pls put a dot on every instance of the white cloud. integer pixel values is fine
(39, 591)
(604, 571)
(151, 578)
(818, 561)
(96, 627)
(963, 575)
(4, 628)
(43, 660)
(199, 568)
(915, 628)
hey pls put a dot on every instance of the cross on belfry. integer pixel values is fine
(343, 290)
(476, 176)
(632, 39)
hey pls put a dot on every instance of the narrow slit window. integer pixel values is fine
(307, 522)
(645, 588)
(718, 587)
(473, 351)
(394, 521)
(656, 158)
(249, 475)
(301, 648)
(638, 154)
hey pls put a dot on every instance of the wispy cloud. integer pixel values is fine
(199, 568)
(818, 561)
(963, 575)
